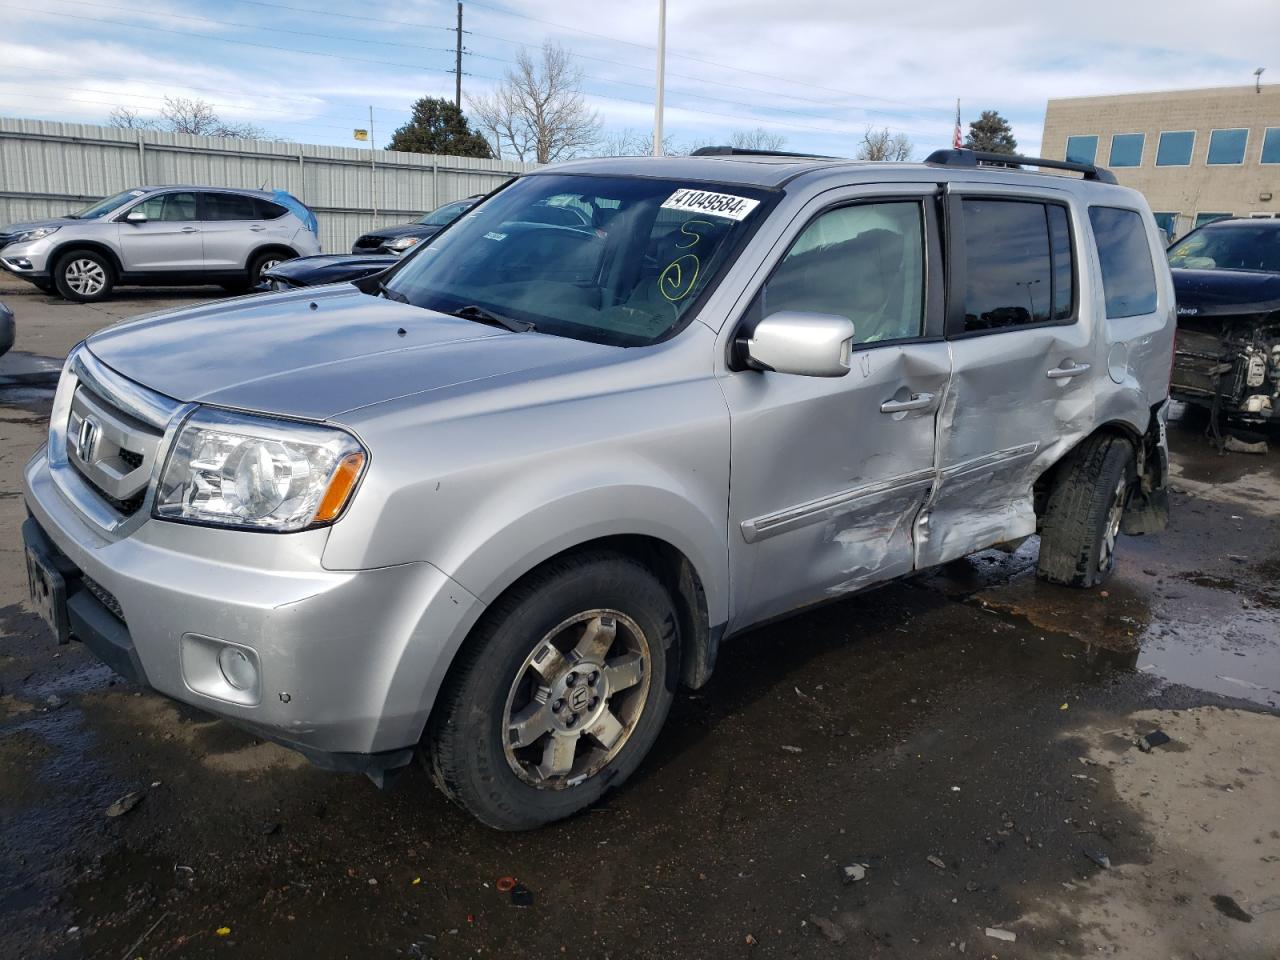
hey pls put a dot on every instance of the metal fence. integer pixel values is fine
(49, 168)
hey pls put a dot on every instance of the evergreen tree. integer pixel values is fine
(439, 127)
(991, 132)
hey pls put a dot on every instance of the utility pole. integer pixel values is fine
(457, 69)
(373, 169)
(662, 70)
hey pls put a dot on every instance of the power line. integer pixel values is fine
(632, 43)
(329, 36)
(685, 56)
(410, 66)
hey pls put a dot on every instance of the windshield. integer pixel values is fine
(103, 207)
(1237, 247)
(616, 260)
(446, 214)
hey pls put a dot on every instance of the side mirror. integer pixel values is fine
(805, 344)
(135, 216)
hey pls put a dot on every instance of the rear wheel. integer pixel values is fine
(84, 276)
(1084, 513)
(264, 261)
(558, 694)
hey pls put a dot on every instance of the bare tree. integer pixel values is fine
(630, 142)
(129, 119)
(883, 145)
(757, 139)
(538, 111)
(183, 115)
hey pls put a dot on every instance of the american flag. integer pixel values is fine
(958, 140)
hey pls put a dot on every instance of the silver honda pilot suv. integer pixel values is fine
(161, 236)
(493, 508)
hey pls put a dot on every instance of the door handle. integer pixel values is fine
(190, 230)
(918, 401)
(1063, 373)
(257, 229)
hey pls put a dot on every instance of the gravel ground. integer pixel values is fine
(965, 738)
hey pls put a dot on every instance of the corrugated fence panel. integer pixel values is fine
(49, 168)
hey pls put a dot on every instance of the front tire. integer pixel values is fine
(1084, 512)
(558, 693)
(84, 276)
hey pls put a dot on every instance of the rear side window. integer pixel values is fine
(1128, 277)
(229, 206)
(1018, 264)
(268, 210)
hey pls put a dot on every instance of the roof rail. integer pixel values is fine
(971, 158)
(727, 151)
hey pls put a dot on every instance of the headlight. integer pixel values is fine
(401, 244)
(233, 470)
(39, 233)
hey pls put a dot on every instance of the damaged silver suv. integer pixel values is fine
(492, 509)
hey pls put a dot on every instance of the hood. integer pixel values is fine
(320, 352)
(1222, 293)
(11, 229)
(404, 230)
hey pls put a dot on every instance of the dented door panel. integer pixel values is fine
(1003, 423)
(825, 486)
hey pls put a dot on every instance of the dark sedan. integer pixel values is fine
(1227, 279)
(7, 329)
(325, 268)
(397, 240)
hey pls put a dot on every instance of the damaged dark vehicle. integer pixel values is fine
(1227, 360)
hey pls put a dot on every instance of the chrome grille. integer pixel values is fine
(105, 437)
(111, 449)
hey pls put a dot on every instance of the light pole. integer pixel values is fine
(1257, 80)
(662, 69)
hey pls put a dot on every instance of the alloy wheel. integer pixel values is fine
(86, 277)
(576, 699)
(1115, 514)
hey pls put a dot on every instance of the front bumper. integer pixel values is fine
(30, 261)
(343, 656)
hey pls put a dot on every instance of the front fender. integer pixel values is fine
(501, 550)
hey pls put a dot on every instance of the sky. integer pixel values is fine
(817, 72)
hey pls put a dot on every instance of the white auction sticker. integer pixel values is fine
(713, 204)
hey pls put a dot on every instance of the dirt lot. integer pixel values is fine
(964, 738)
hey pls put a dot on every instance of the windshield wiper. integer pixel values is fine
(481, 315)
(390, 294)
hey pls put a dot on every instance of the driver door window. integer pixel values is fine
(864, 262)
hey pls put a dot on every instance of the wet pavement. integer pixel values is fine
(963, 737)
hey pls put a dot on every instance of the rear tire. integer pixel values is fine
(264, 261)
(1084, 511)
(84, 276)
(509, 740)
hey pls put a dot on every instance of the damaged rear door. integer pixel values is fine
(1024, 365)
(828, 474)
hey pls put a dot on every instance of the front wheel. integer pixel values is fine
(558, 694)
(84, 276)
(1084, 512)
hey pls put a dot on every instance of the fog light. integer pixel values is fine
(237, 668)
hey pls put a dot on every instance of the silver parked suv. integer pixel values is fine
(161, 235)
(495, 508)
